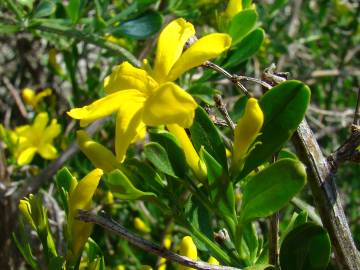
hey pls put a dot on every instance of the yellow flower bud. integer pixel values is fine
(214, 261)
(246, 131)
(80, 198)
(233, 8)
(25, 209)
(120, 267)
(188, 249)
(28, 96)
(99, 155)
(192, 158)
(141, 226)
(167, 245)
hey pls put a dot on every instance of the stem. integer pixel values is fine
(274, 239)
(90, 38)
(222, 109)
(144, 244)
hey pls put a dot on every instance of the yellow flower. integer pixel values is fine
(214, 261)
(36, 138)
(141, 226)
(80, 197)
(32, 99)
(188, 249)
(141, 98)
(246, 131)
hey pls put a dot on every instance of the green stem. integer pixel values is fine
(87, 37)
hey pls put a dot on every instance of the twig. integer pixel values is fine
(231, 77)
(16, 97)
(326, 196)
(222, 109)
(274, 239)
(114, 227)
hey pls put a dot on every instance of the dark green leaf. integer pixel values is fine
(142, 27)
(199, 217)
(241, 25)
(157, 155)
(204, 133)
(173, 149)
(271, 189)
(204, 93)
(221, 190)
(123, 189)
(307, 247)
(44, 8)
(284, 108)
(246, 48)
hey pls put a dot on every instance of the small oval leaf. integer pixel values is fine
(241, 25)
(271, 189)
(44, 9)
(247, 47)
(143, 26)
(307, 247)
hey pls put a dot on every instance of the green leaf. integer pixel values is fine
(24, 245)
(141, 27)
(284, 107)
(157, 155)
(144, 174)
(271, 189)
(44, 8)
(73, 10)
(123, 189)
(173, 149)
(307, 247)
(204, 93)
(64, 178)
(199, 217)
(204, 133)
(221, 190)
(9, 29)
(241, 25)
(246, 48)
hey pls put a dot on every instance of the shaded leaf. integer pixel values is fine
(307, 247)
(44, 8)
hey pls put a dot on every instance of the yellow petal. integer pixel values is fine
(188, 249)
(204, 49)
(52, 131)
(41, 95)
(192, 158)
(129, 125)
(99, 155)
(47, 151)
(247, 130)
(40, 122)
(126, 76)
(233, 7)
(170, 46)
(80, 198)
(28, 96)
(169, 105)
(104, 106)
(26, 156)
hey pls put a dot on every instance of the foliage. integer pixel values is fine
(175, 175)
